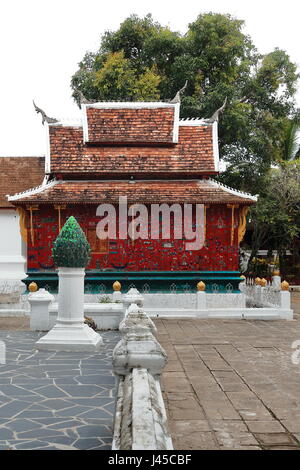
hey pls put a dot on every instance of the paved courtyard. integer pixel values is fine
(54, 400)
(227, 385)
(232, 384)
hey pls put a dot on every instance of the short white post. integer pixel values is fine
(201, 300)
(285, 299)
(117, 296)
(39, 309)
(257, 295)
(276, 282)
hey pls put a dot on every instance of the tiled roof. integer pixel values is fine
(194, 154)
(130, 122)
(146, 191)
(18, 174)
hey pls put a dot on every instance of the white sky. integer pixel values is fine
(42, 42)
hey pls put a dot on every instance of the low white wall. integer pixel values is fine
(177, 300)
(106, 316)
(224, 313)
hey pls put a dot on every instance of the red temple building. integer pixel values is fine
(145, 152)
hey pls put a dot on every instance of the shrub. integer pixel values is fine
(71, 248)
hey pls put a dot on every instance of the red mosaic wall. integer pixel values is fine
(140, 255)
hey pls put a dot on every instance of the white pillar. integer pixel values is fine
(71, 295)
(39, 309)
(70, 333)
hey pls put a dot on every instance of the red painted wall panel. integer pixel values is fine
(140, 255)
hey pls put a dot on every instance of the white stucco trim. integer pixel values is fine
(85, 123)
(216, 146)
(176, 123)
(235, 192)
(47, 156)
(129, 105)
(31, 192)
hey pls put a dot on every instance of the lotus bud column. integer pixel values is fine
(71, 252)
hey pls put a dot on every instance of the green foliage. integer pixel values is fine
(144, 60)
(276, 216)
(71, 248)
(105, 299)
(290, 143)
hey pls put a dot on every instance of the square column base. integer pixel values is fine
(76, 337)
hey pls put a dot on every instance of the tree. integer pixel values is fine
(144, 60)
(290, 141)
(276, 216)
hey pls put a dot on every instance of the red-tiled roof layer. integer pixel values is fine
(193, 153)
(130, 124)
(180, 191)
(19, 174)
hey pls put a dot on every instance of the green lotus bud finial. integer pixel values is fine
(71, 248)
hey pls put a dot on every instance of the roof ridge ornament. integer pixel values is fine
(215, 116)
(176, 98)
(83, 99)
(46, 118)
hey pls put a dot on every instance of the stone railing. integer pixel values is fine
(261, 293)
(138, 361)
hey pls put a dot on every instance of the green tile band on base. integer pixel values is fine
(100, 282)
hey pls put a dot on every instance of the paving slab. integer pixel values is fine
(231, 384)
(55, 401)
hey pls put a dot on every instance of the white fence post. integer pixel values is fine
(276, 282)
(285, 299)
(201, 300)
(39, 309)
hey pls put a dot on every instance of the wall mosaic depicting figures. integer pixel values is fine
(220, 252)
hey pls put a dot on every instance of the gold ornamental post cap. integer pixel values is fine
(285, 285)
(258, 281)
(276, 272)
(263, 282)
(242, 276)
(33, 287)
(116, 286)
(201, 286)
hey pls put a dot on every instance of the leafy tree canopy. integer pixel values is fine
(144, 60)
(276, 216)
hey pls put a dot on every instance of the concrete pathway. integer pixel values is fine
(232, 384)
(56, 400)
